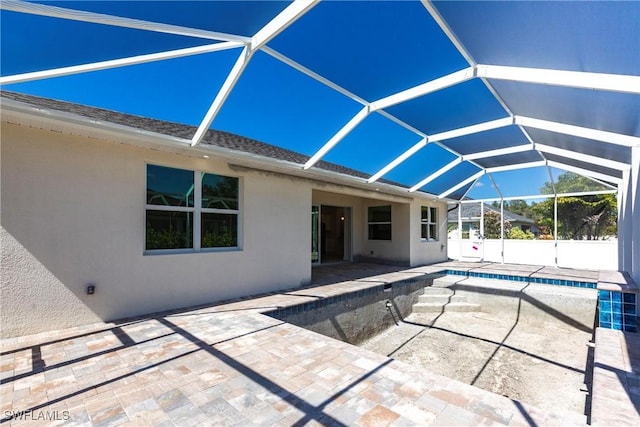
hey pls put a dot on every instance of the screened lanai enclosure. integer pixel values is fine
(462, 101)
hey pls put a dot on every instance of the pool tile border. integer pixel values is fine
(527, 279)
(617, 309)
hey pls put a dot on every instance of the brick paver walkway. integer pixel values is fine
(228, 364)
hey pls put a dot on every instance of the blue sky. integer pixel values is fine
(381, 47)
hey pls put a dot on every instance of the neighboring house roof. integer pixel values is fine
(472, 210)
(213, 137)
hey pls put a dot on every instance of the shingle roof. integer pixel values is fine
(472, 210)
(213, 137)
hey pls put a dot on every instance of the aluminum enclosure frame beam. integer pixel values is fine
(472, 178)
(222, 95)
(274, 27)
(116, 63)
(577, 79)
(585, 80)
(585, 172)
(100, 18)
(579, 131)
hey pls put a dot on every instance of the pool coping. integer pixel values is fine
(451, 399)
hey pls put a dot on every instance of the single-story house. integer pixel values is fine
(472, 212)
(107, 215)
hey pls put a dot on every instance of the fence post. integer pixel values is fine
(502, 229)
(460, 231)
(555, 229)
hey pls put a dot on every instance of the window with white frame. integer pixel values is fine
(429, 223)
(379, 222)
(190, 210)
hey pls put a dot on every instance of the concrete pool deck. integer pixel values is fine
(229, 364)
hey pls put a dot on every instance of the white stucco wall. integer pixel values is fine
(422, 251)
(396, 250)
(73, 213)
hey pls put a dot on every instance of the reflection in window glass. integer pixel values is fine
(169, 230)
(379, 222)
(429, 223)
(219, 230)
(380, 214)
(379, 231)
(219, 192)
(169, 186)
(190, 209)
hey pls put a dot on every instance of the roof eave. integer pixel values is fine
(22, 113)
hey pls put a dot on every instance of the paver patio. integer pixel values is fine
(229, 364)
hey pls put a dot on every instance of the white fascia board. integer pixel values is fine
(585, 172)
(468, 130)
(401, 158)
(28, 112)
(582, 132)
(582, 157)
(578, 79)
(424, 89)
(497, 152)
(304, 70)
(19, 112)
(115, 63)
(472, 178)
(436, 174)
(517, 166)
(100, 18)
(335, 139)
(278, 24)
(223, 93)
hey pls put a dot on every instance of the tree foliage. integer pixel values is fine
(585, 217)
(518, 234)
(518, 207)
(492, 225)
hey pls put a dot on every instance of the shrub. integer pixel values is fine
(518, 234)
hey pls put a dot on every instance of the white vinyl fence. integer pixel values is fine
(580, 254)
